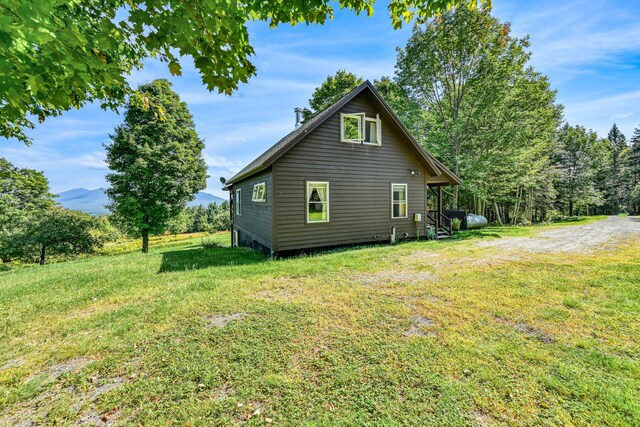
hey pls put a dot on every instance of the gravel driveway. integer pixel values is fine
(578, 238)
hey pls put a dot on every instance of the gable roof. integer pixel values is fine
(272, 154)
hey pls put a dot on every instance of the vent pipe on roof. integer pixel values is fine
(298, 112)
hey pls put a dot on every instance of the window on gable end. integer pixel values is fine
(351, 128)
(357, 128)
(372, 131)
(259, 192)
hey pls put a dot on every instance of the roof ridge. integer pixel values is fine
(274, 152)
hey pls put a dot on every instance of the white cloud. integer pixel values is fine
(620, 116)
(605, 103)
(572, 35)
(223, 164)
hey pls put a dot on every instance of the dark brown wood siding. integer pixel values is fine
(360, 179)
(256, 219)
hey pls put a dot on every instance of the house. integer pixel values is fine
(351, 174)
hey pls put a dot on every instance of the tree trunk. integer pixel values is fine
(42, 254)
(456, 190)
(498, 213)
(145, 242)
(570, 207)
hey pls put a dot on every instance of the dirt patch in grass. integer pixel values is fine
(479, 259)
(280, 295)
(13, 363)
(94, 309)
(36, 411)
(481, 419)
(580, 238)
(288, 289)
(422, 327)
(59, 369)
(527, 330)
(386, 277)
(111, 384)
(222, 320)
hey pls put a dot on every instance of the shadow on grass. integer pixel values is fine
(200, 258)
(474, 234)
(570, 220)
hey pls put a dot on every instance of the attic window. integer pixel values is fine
(259, 192)
(359, 129)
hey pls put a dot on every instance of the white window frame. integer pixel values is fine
(406, 200)
(259, 192)
(378, 131)
(238, 202)
(362, 123)
(306, 200)
(360, 118)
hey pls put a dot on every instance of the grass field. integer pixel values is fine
(419, 333)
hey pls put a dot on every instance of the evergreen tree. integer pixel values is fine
(156, 161)
(618, 180)
(634, 169)
(577, 158)
(198, 219)
(484, 112)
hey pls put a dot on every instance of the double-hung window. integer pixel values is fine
(317, 201)
(238, 202)
(398, 200)
(259, 192)
(357, 128)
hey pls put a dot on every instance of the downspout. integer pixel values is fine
(231, 203)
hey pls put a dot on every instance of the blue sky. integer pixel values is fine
(590, 49)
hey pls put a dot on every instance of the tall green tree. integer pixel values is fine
(57, 231)
(198, 219)
(577, 158)
(56, 54)
(407, 109)
(618, 179)
(222, 220)
(332, 89)
(482, 110)
(156, 161)
(24, 193)
(634, 168)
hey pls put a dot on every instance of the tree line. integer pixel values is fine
(465, 89)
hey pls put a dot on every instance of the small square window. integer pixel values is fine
(259, 192)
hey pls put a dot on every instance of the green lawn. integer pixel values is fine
(419, 333)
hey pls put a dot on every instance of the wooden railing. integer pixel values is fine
(445, 222)
(431, 219)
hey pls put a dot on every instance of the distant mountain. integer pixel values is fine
(205, 199)
(94, 201)
(90, 201)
